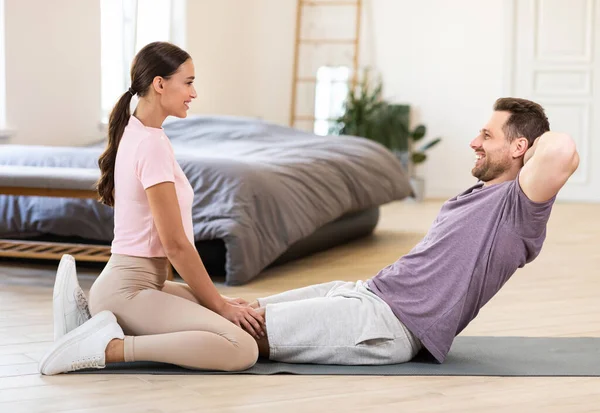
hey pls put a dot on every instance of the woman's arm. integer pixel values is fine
(186, 260)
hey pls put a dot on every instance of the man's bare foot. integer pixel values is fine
(263, 347)
(263, 342)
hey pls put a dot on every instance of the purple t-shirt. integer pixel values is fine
(478, 240)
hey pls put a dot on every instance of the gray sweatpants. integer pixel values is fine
(336, 323)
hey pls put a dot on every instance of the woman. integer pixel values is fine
(136, 313)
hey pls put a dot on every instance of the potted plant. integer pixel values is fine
(417, 157)
(361, 109)
(367, 115)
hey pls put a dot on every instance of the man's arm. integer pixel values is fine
(548, 165)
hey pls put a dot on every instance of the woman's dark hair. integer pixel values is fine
(155, 59)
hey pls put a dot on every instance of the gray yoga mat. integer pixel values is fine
(469, 356)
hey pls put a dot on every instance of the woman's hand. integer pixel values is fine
(245, 317)
(238, 301)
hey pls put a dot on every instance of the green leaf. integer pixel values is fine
(430, 144)
(419, 133)
(418, 157)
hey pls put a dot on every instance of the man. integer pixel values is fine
(427, 297)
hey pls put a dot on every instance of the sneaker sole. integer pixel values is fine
(101, 319)
(60, 328)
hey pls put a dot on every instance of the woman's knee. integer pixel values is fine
(98, 304)
(246, 352)
(101, 298)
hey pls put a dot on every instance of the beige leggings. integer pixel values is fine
(164, 322)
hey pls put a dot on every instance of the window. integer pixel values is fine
(2, 71)
(126, 27)
(331, 91)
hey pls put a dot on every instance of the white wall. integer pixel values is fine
(219, 39)
(243, 54)
(446, 58)
(53, 71)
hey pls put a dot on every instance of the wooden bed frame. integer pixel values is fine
(42, 181)
(55, 250)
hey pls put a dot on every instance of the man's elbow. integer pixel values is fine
(569, 155)
(574, 164)
(561, 148)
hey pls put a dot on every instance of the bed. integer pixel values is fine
(265, 193)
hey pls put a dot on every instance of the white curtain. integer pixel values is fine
(2, 71)
(126, 27)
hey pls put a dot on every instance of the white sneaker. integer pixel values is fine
(83, 347)
(69, 303)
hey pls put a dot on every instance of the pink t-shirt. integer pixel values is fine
(145, 158)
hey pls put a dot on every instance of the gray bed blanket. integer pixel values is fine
(259, 187)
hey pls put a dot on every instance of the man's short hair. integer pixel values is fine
(527, 119)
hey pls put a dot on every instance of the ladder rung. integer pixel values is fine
(312, 118)
(330, 3)
(327, 41)
(353, 42)
(315, 80)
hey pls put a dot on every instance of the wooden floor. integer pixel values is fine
(557, 295)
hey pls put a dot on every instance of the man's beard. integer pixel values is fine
(489, 169)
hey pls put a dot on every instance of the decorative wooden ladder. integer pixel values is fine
(302, 42)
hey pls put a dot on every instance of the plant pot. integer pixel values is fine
(403, 158)
(418, 186)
